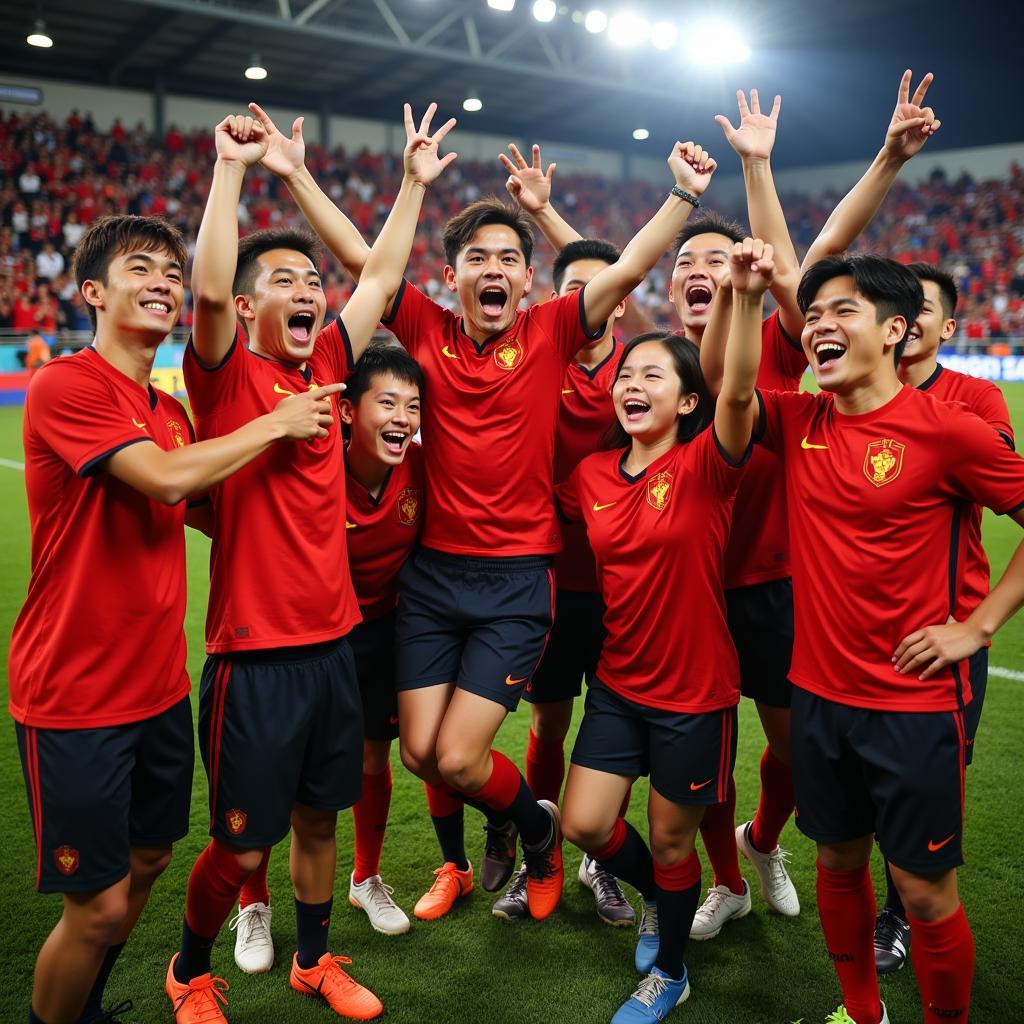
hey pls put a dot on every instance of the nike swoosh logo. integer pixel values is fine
(598, 508)
(450, 355)
(141, 426)
(393, 719)
(934, 847)
(568, 391)
(805, 444)
(694, 786)
(278, 390)
(509, 681)
(349, 526)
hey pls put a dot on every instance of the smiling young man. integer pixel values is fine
(98, 687)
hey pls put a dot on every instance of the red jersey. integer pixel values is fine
(984, 399)
(99, 641)
(382, 532)
(758, 548)
(878, 508)
(279, 574)
(584, 416)
(659, 540)
(489, 426)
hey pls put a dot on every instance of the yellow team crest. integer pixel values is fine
(883, 461)
(235, 821)
(66, 858)
(408, 506)
(177, 433)
(508, 354)
(658, 488)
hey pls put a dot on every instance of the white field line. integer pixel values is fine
(11, 464)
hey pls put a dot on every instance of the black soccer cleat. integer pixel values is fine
(499, 856)
(892, 942)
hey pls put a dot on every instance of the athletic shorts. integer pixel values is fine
(977, 672)
(481, 623)
(574, 647)
(761, 623)
(689, 757)
(278, 728)
(95, 793)
(896, 774)
(373, 647)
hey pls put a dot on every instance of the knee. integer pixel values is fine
(375, 757)
(249, 860)
(845, 856)
(587, 833)
(669, 846)
(419, 759)
(314, 826)
(104, 917)
(550, 722)
(148, 863)
(927, 899)
(461, 770)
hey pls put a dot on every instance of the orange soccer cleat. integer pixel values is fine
(449, 885)
(342, 993)
(196, 1002)
(544, 871)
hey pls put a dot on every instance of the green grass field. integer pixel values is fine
(471, 968)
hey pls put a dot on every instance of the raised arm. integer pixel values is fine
(751, 267)
(241, 142)
(715, 337)
(910, 127)
(530, 186)
(692, 169)
(753, 141)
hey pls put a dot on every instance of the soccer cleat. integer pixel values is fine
(840, 1016)
(254, 949)
(110, 1014)
(373, 896)
(648, 941)
(721, 905)
(654, 999)
(342, 993)
(513, 906)
(776, 887)
(196, 1002)
(499, 856)
(610, 901)
(544, 872)
(892, 942)
(449, 885)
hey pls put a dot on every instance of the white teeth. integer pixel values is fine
(162, 306)
(635, 405)
(828, 350)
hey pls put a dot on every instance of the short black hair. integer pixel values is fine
(947, 286)
(253, 246)
(889, 285)
(382, 357)
(582, 249)
(709, 223)
(459, 231)
(686, 359)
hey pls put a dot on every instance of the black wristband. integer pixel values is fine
(689, 197)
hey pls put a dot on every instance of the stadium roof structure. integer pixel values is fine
(836, 64)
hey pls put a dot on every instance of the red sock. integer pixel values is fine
(545, 767)
(370, 815)
(502, 787)
(442, 800)
(943, 955)
(255, 889)
(213, 888)
(846, 906)
(718, 830)
(776, 803)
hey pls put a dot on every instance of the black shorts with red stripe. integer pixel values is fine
(373, 646)
(977, 672)
(761, 623)
(896, 774)
(573, 650)
(689, 757)
(278, 728)
(95, 793)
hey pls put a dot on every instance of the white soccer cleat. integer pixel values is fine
(776, 887)
(721, 905)
(254, 949)
(373, 896)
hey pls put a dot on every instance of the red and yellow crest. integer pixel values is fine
(883, 461)
(177, 433)
(235, 821)
(658, 488)
(408, 505)
(66, 858)
(508, 354)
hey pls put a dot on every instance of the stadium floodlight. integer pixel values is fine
(716, 42)
(39, 36)
(664, 35)
(501, 5)
(473, 103)
(256, 72)
(545, 10)
(640, 134)
(628, 29)
(595, 21)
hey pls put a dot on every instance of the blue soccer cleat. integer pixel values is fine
(653, 999)
(648, 942)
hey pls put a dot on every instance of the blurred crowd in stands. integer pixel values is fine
(55, 179)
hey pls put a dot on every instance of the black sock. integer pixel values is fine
(33, 1018)
(451, 836)
(892, 896)
(94, 1004)
(532, 820)
(194, 955)
(312, 922)
(633, 864)
(496, 819)
(676, 909)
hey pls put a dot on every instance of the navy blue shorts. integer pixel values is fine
(977, 672)
(279, 728)
(689, 757)
(373, 647)
(896, 774)
(761, 623)
(481, 623)
(95, 793)
(574, 647)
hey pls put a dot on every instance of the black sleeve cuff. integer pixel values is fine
(191, 349)
(399, 295)
(762, 425)
(583, 320)
(1012, 511)
(1008, 439)
(198, 502)
(792, 342)
(94, 464)
(729, 461)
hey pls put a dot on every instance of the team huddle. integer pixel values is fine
(661, 512)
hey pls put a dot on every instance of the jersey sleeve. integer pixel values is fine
(567, 498)
(564, 321)
(213, 387)
(714, 465)
(991, 407)
(414, 317)
(334, 350)
(787, 353)
(980, 466)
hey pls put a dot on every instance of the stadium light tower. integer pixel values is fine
(716, 42)
(39, 36)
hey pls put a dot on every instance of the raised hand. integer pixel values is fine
(912, 124)
(751, 267)
(307, 415)
(755, 136)
(528, 184)
(240, 139)
(691, 166)
(422, 162)
(284, 155)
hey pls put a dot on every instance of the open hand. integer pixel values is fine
(528, 184)
(936, 647)
(691, 166)
(751, 267)
(422, 162)
(284, 156)
(755, 136)
(912, 125)
(307, 415)
(240, 139)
